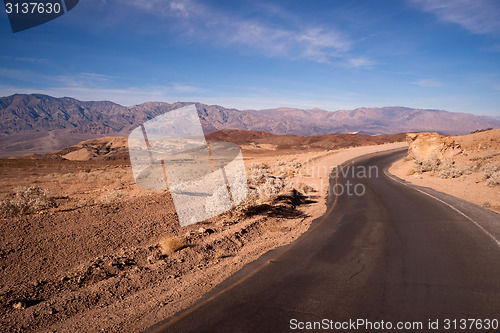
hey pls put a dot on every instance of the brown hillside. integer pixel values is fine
(115, 148)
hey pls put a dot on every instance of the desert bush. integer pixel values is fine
(449, 172)
(492, 174)
(28, 200)
(289, 169)
(294, 164)
(494, 179)
(481, 130)
(272, 187)
(421, 166)
(258, 172)
(490, 169)
(10, 208)
(256, 165)
(170, 244)
(267, 182)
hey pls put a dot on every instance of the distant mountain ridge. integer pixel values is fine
(39, 123)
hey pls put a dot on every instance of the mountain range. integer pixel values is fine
(38, 123)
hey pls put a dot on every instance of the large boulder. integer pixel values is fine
(432, 146)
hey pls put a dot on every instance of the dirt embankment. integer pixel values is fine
(93, 252)
(467, 167)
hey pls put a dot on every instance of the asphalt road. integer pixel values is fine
(396, 253)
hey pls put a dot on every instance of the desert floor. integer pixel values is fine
(95, 261)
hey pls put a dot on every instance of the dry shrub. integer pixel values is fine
(444, 169)
(171, 244)
(481, 130)
(410, 172)
(267, 182)
(492, 174)
(258, 172)
(494, 179)
(421, 166)
(28, 200)
(272, 187)
(450, 170)
(294, 164)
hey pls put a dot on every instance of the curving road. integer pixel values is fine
(397, 254)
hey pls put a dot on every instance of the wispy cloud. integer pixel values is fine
(90, 89)
(477, 16)
(184, 88)
(81, 79)
(26, 59)
(428, 83)
(358, 62)
(199, 22)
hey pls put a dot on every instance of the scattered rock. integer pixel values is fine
(19, 305)
(206, 230)
(426, 146)
(154, 257)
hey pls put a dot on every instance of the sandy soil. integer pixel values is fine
(94, 263)
(479, 152)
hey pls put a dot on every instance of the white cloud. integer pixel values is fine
(82, 90)
(358, 62)
(184, 88)
(196, 21)
(477, 16)
(428, 83)
(25, 59)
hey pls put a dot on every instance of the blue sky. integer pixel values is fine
(439, 54)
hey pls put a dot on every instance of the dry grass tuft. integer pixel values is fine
(410, 172)
(169, 245)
